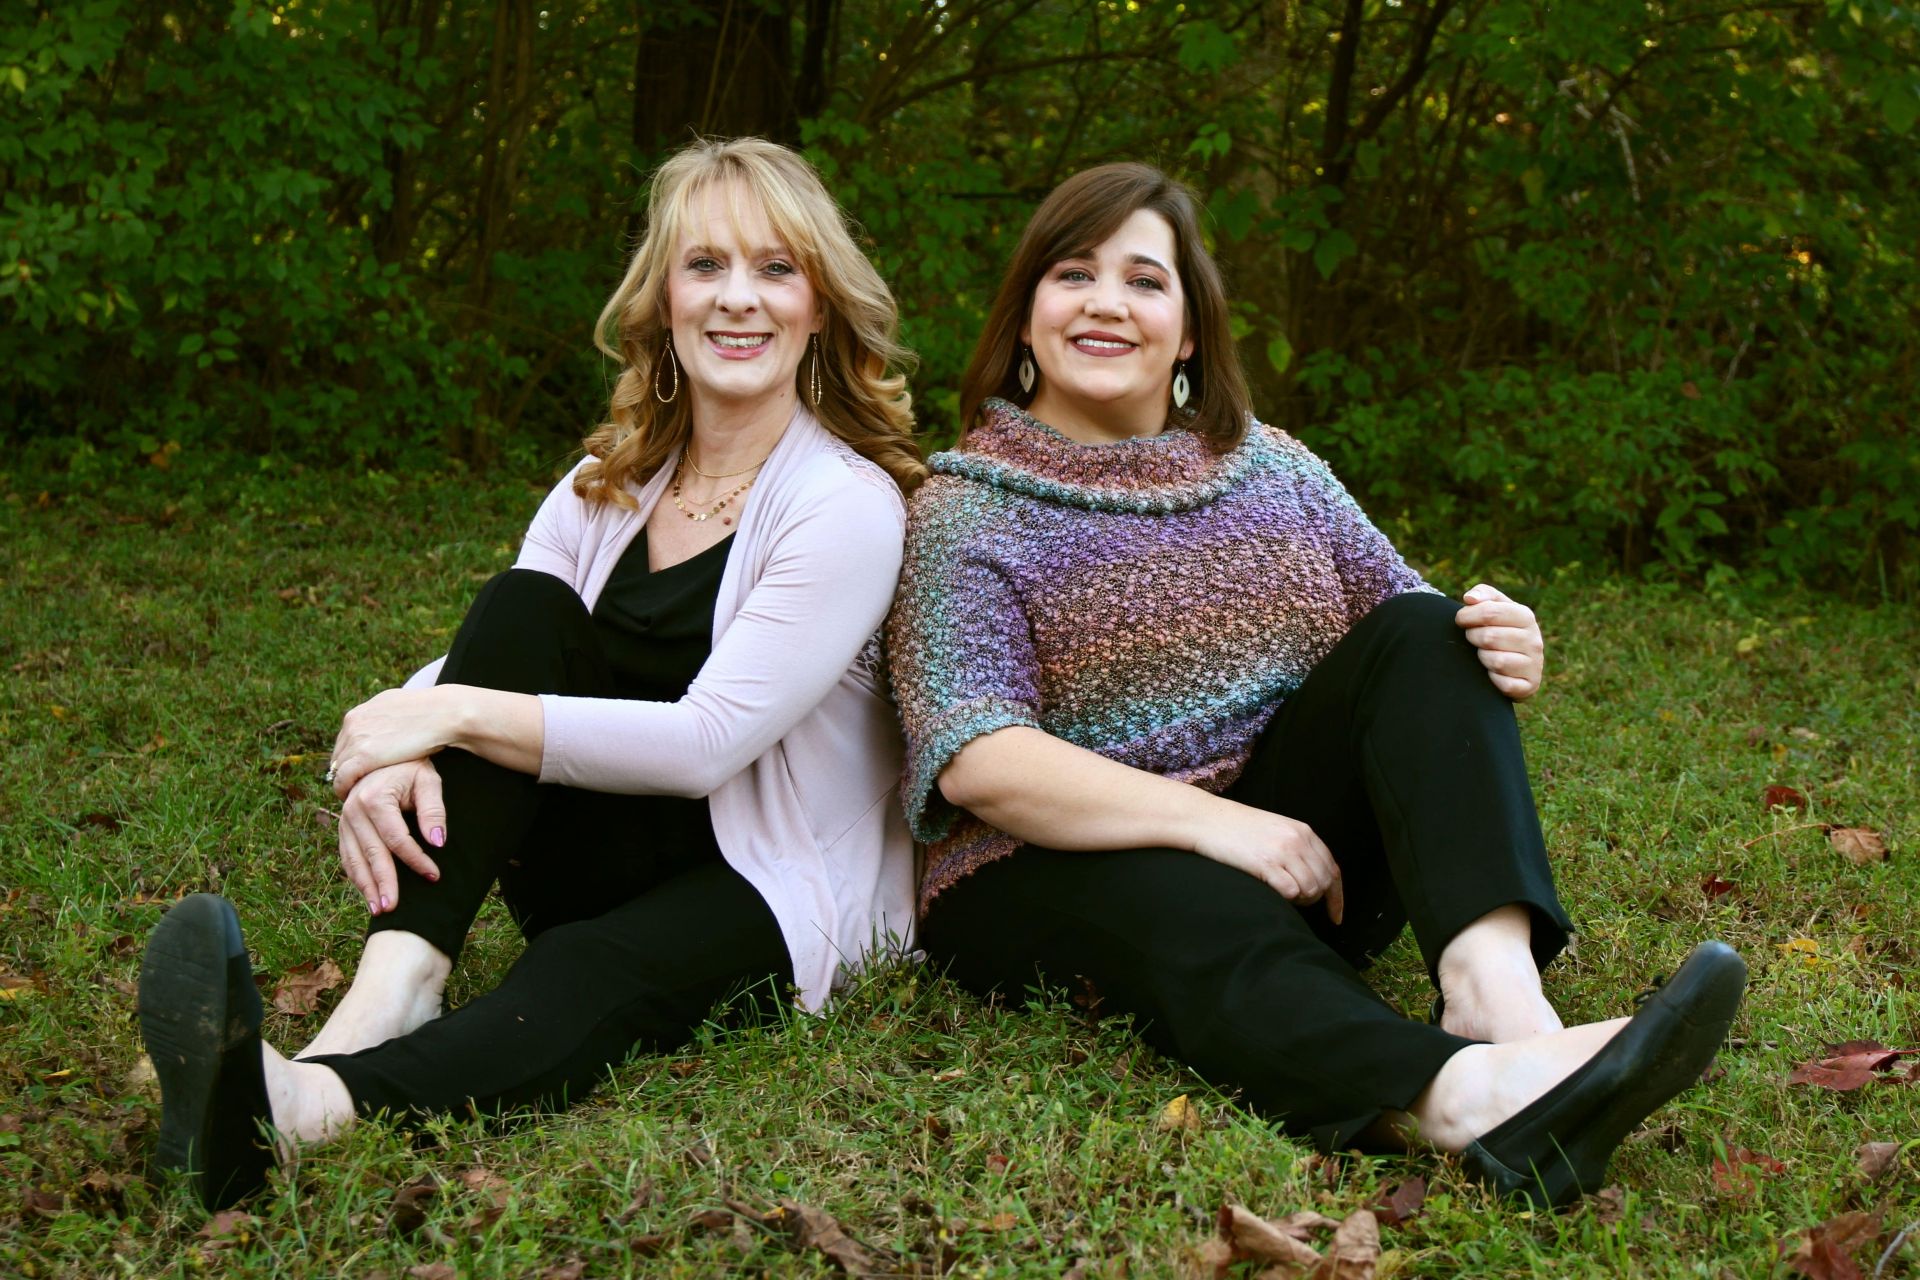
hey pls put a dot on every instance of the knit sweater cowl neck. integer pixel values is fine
(1152, 600)
(1176, 470)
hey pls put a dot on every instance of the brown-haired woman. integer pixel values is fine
(663, 732)
(1182, 725)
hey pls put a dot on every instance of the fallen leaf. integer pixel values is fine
(434, 1271)
(485, 1182)
(997, 1164)
(1826, 1252)
(43, 1203)
(1251, 1236)
(1212, 1258)
(1805, 950)
(1783, 797)
(299, 759)
(1861, 846)
(1355, 1250)
(227, 1226)
(408, 1212)
(1732, 1172)
(1401, 1201)
(1177, 1116)
(643, 1196)
(711, 1220)
(300, 990)
(998, 1222)
(571, 1269)
(1610, 1205)
(1875, 1158)
(817, 1229)
(1715, 888)
(100, 821)
(1846, 1071)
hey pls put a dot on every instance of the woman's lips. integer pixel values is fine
(1102, 345)
(738, 346)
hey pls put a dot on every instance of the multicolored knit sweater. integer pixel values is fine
(1150, 600)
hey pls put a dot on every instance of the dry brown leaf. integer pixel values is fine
(1734, 1173)
(487, 1183)
(1355, 1250)
(299, 992)
(408, 1212)
(1875, 1158)
(817, 1229)
(1401, 1201)
(227, 1227)
(434, 1271)
(1826, 1252)
(1609, 1205)
(1858, 1063)
(1861, 846)
(1178, 1116)
(571, 1269)
(1252, 1236)
(1212, 1258)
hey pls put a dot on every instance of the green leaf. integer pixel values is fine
(1333, 248)
(192, 343)
(1902, 108)
(1279, 352)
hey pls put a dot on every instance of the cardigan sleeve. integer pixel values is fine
(1370, 570)
(828, 580)
(960, 649)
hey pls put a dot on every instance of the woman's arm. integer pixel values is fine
(1050, 792)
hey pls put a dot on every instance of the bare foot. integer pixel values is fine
(1489, 981)
(1486, 1084)
(310, 1102)
(398, 987)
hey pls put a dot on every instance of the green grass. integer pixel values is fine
(166, 643)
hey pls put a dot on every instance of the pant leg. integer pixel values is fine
(1216, 968)
(581, 998)
(526, 632)
(1403, 757)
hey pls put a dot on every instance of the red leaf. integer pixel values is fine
(1395, 1205)
(1731, 1173)
(1846, 1071)
(1849, 1047)
(1875, 1158)
(997, 1164)
(1783, 797)
(1715, 888)
(1826, 1252)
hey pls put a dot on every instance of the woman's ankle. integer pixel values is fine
(397, 988)
(310, 1102)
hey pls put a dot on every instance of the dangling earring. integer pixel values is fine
(1180, 388)
(813, 372)
(674, 365)
(1027, 374)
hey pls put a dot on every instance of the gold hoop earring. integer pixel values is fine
(813, 372)
(674, 365)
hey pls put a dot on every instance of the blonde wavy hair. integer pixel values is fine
(863, 382)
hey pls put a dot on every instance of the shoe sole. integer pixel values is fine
(204, 1052)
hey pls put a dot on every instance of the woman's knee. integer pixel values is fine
(524, 632)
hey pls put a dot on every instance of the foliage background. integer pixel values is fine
(1628, 283)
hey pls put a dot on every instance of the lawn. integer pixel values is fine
(177, 652)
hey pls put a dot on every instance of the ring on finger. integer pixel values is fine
(332, 769)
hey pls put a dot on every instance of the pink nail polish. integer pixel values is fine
(373, 908)
(437, 837)
(386, 903)
(433, 877)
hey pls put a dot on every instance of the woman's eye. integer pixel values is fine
(1146, 282)
(1074, 275)
(703, 264)
(778, 268)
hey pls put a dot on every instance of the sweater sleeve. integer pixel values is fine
(1369, 568)
(828, 580)
(960, 649)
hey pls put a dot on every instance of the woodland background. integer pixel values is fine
(1627, 283)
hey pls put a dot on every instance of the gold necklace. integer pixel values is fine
(713, 510)
(687, 456)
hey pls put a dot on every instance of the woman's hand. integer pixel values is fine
(373, 829)
(1508, 637)
(1279, 851)
(400, 724)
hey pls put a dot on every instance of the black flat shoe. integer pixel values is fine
(200, 1017)
(1556, 1148)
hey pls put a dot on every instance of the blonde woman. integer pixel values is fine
(661, 733)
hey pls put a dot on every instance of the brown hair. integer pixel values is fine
(1080, 214)
(863, 398)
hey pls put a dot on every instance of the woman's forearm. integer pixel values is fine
(508, 729)
(1049, 792)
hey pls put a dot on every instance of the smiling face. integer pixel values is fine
(740, 308)
(1106, 328)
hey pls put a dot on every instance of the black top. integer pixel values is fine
(657, 631)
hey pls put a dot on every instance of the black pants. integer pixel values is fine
(628, 945)
(1402, 756)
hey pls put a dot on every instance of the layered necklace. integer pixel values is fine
(713, 509)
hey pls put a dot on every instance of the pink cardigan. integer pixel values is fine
(788, 729)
